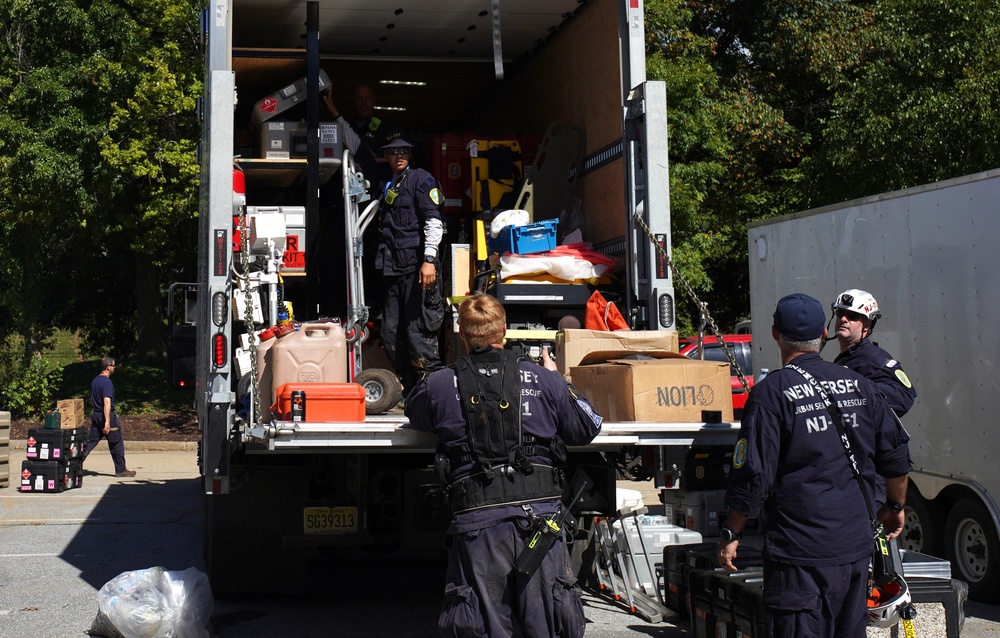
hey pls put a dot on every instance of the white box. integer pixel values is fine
(264, 227)
(285, 98)
(242, 361)
(240, 306)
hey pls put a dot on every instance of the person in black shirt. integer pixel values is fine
(856, 313)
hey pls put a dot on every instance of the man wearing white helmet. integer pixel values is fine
(856, 312)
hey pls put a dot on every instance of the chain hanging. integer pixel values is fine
(248, 313)
(702, 306)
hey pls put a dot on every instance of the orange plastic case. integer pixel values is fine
(324, 401)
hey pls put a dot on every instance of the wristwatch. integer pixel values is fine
(430, 260)
(896, 507)
(729, 535)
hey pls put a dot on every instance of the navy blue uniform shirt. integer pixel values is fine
(547, 409)
(401, 246)
(877, 365)
(789, 460)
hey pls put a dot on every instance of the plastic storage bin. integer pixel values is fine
(324, 402)
(538, 237)
(55, 445)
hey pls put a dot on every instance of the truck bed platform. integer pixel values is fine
(392, 433)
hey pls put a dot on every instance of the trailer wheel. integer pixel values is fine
(974, 550)
(921, 532)
(383, 389)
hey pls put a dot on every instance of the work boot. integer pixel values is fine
(125, 473)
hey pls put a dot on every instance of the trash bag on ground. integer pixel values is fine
(154, 603)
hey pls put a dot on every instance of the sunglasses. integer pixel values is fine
(397, 151)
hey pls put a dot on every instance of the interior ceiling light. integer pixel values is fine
(390, 108)
(402, 82)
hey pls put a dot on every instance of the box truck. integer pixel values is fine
(275, 486)
(927, 255)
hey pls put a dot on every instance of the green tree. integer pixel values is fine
(925, 104)
(98, 187)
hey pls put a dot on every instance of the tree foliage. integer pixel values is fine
(98, 179)
(778, 106)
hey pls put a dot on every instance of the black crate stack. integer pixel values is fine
(54, 460)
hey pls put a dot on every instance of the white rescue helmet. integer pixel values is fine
(888, 602)
(859, 302)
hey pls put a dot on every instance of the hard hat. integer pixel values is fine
(859, 302)
(888, 601)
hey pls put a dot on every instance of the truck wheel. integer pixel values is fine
(383, 389)
(922, 527)
(974, 550)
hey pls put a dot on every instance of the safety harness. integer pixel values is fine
(489, 385)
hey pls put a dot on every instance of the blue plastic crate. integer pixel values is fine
(524, 240)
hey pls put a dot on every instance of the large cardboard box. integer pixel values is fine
(665, 387)
(573, 345)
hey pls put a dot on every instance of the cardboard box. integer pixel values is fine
(71, 413)
(70, 405)
(667, 387)
(573, 345)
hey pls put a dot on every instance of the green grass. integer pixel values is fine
(141, 387)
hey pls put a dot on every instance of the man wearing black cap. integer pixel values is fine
(790, 463)
(410, 229)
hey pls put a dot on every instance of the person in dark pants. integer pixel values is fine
(790, 463)
(411, 232)
(503, 476)
(104, 420)
(856, 313)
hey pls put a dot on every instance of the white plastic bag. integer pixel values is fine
(155, 603)
(564, 267)
(508, 218)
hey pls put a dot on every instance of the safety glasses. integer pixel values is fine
(397, 151)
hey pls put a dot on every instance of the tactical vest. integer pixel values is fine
(489, 385)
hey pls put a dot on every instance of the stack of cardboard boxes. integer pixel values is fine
(637, 375)
(54, 453)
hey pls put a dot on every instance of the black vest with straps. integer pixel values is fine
(489, 384)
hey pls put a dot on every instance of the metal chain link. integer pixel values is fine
(248, 314)
(702, 306)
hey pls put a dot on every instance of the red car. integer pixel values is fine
(740, 346)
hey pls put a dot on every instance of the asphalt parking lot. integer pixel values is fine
(58, 550)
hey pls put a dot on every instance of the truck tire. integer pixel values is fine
(922, 531)
(383, 390)
(973, 548)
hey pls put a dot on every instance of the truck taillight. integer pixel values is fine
(219, 350)
(666, 310)
(220, 309)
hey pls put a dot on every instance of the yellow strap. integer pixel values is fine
(908, 630)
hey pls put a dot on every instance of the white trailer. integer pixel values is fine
(927, 255)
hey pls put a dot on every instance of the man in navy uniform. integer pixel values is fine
(410, 232)
(502, 424)
(856, 313)
(104, 420)
(790, 463)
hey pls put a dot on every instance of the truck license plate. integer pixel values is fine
(330, 520)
